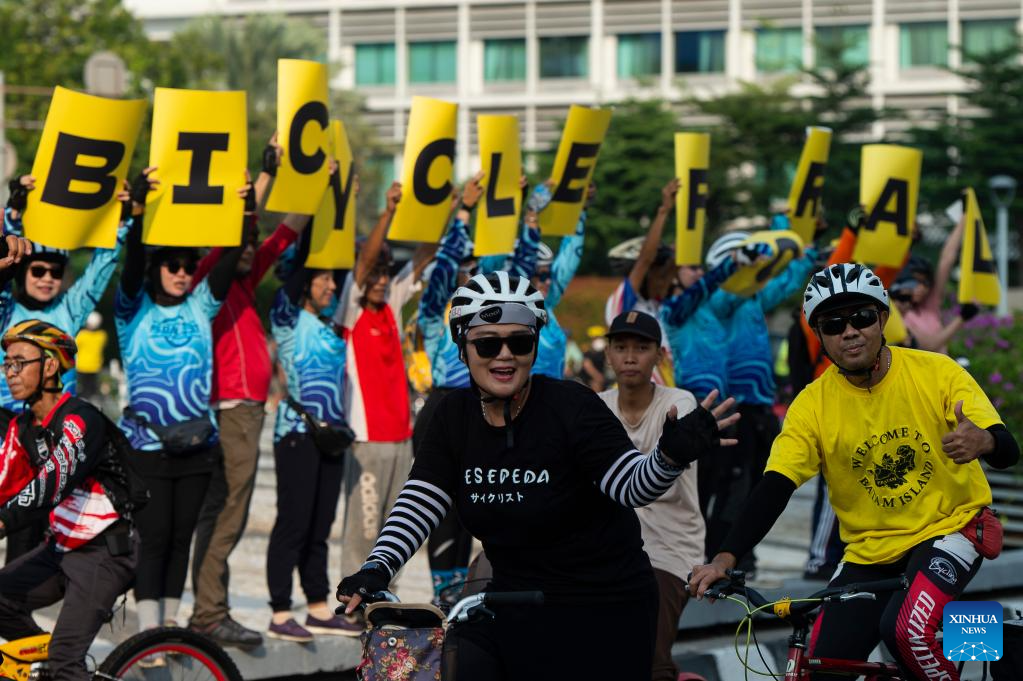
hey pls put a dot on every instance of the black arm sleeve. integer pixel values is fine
(134, 272)
(761, 512)
(6, 274)
(1006, 451)
(222, 274)
(294, 287)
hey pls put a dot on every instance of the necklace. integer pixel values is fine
(515, 415)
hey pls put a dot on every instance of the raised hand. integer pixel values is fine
(17, 248)
(472, 191)
(967, 442)
(17, 197)
(668, 193)
(698, 433)
(272, 155)
(393, 196)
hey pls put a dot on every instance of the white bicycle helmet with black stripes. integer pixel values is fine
(495, 298)
(841, 284)
(724, 245)
(544, 256)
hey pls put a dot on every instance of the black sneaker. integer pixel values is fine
(228, 633)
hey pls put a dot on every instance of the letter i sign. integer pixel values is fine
(972, 631)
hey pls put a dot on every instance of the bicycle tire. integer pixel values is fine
(123, 662)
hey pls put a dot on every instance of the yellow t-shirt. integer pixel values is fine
(889, 481)
(90, 351)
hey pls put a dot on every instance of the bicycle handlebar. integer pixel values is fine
(513, 598)
(737, 584)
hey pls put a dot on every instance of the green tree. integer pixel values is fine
(46, 43)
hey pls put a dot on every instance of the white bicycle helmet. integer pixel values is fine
(841, 284)
(724, 245)
(495, 298)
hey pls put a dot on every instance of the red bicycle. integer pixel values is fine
(799, 613)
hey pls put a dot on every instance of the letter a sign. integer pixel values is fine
(81, 162)
(497, 223)
(692, 160)
(889, 184)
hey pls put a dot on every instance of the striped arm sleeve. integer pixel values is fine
(638, 479)
(416, 513)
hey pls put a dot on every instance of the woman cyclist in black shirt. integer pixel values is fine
(546, 477)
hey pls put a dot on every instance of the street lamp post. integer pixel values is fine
(1003, 190)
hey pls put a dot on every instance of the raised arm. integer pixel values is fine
(947, 260)
(371, 248)
(648, 252)
(566, 262)
(83, 296)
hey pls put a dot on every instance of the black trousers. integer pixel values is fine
(89, 579)
(166, 525)
(308, 490)
(609, 640)
(25, 539)
(938, 571)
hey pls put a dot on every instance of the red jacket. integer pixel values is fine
(241, 362)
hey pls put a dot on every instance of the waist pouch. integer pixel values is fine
(985, 533)
(180, 438)
(331, 440)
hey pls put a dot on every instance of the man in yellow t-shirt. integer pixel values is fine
(896, 433)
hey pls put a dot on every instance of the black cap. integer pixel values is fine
(635, 323)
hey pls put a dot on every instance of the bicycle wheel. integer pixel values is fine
(169, 654)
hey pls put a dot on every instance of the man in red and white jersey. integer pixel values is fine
(57, 457)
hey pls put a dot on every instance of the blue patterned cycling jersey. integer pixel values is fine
(167, 353)
(750, 363)
(550, 358)
(68, 311)
(313, 358)
(696, 336)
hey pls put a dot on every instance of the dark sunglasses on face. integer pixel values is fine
(543, 276)
(40, 271)
(174, 265)
(861, 319)
(489, 347)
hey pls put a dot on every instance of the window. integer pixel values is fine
(432, 62)
(842, 45)
(564, 57)
(779, 49)
(984, 37)
(639, 54)
(374, 64)
(924, 44)
(504, 60)
(700, 52)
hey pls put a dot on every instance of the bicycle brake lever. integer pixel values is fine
(856, 595)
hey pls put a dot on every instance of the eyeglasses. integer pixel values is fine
(14, 366)
(173, 266)
(861, 319)
(543, 276)
(40, 271)
(489, 347)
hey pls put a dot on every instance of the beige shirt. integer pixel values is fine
(673, 527)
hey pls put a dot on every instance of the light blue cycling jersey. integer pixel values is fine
(750, 362)
(313, 358)
(550, 358)
(69, 310)
(167, 353)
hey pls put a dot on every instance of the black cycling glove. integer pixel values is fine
(373, 577)
(18, 197)
(968, 311)
(689, 438)
(139, 189)
(250, 199)
(270, 160)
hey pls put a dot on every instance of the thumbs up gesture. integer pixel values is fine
(967, 442)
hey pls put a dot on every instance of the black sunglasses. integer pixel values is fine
(861, 319)
(489, 347)
(40, 271)
(543, 276)
(174, 265)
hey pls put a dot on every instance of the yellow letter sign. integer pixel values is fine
(332, 245)
(497, 220)
(889, 184)
(302, 133)
(808, 184)
(426, 172)
(692, 160)
(81, 162)
(573, 168)
(199, 148)
(978, 282)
